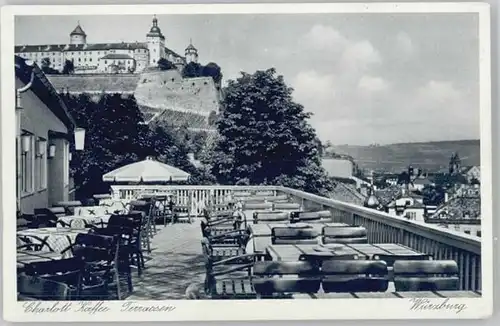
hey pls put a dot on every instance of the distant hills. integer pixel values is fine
(394, 158)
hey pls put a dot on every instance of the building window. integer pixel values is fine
(478, 233)
(27, 163)
(105, 62)
(41, 164)
(467, 231)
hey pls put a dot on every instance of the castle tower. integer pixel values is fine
(78, 36)
(191, 53)
(156, 43)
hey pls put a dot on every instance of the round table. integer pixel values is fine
(81, 222)
(53, 239)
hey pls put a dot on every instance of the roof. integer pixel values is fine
(78, 31)
(460, 207)
(416, 204)
(388, 194)
(80, 47)
(190, 47)
(44, 90)
(423, 181)
(117, 56)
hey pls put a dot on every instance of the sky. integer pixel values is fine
(367, 78)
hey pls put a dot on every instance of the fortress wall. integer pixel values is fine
(167, 90)
(186, 101)
(95, 83)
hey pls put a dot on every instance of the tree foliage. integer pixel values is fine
(115, 137)
(433, 195)
(46, 67)
(194, 69)
(69, 67)
(265, 137)
(164, 64)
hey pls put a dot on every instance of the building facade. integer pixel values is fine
(96, 58)
(42, 140)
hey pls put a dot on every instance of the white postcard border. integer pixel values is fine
(208, 310)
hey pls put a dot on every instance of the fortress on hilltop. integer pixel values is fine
(121, 57)
(131, 69)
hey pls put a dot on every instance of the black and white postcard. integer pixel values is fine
(214, 162)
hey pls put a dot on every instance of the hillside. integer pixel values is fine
(396, 157)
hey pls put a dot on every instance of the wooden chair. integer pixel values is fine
(391, 259)
(270, 217)
(286, 206)
(319, 257)
(279, 198)
(426, 275)
(128, 229)
(266, 193)
(103, 260)
(230, 278)
(69, 206)
(284, 235)
(44, 218)
(58, 211)
(309, 217)
(220, 252)
(37, 288)
(351, 234)
(257, 206)
(68, 271)
(301, 277)
(354, 276)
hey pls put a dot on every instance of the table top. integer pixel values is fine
(363, 250)
(55, 239)
(25, 257)
(52, 231)
(264, 229)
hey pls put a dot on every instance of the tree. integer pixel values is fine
(212, 70)
(433, 195)
(69, 67)
(164, 64)
(191, 70)
(46, 68)
(115, 137)
(265, 137)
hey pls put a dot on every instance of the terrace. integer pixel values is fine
(442, 244)
(176, 259)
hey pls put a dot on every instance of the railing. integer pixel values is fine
(194, 197)
(382, 228)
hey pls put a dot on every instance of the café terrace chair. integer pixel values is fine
(310, 217)
(426, 275)
(354, 276)
(33, 288)
(348, 234)
(44, 217)
(283, 278)
(101, 255)
(270, 217)
(68, 271)
(286, 235)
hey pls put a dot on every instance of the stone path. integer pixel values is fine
(175, 262)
